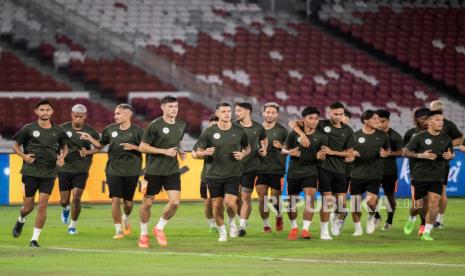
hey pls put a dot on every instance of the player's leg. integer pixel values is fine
(129, 189)
(434, 196)
(418, 193)
(30, 187)
(230, 188)
(293, 190)
(207, 205)
(389, 186)
(45, 190)
(262, 192)
(372, 205)
(339, 189)
(247, 185)
(75, 210)
(65, 187)
(309, 210)
(115, 186)
(442, 208)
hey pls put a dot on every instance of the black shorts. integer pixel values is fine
(248, 179)
(446, 176)
(331, 181)
(297, 185)
(218, 187)
(360, 186)
(122, 186)
(68, 181)
(271, 180)
(203, 190)
(421, 188)
(167, 182)
(33, 184)
(389, 183)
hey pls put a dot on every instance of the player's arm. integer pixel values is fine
(458, 142)
(86, 136)
(348, 153)
(297, 126)
(28, 158)
(146, 148)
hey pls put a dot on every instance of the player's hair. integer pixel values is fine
(271, 104)
(245, 105)
(79, 108)
(367, 115)
(383, 113)
(126, 106)
(434, 112)
(309, 110)
(421, 112)
(213, 118)
(222, 104)
(43, 102)
(436, 105)
(336, 105)
(347, 113)
(168, 99)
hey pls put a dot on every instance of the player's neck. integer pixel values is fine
(77, 127)
(308, 130)
(224, 125)
(246, 122)
(44, 124)
(125, 125)
(334, 124)
(368, 130)
(268, 125)
(169, 120)
(433, 132)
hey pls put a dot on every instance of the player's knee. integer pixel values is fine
(76, 201)
(174, 203)
(64, 203)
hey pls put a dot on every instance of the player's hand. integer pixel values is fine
(295, 152)
(427, 155)
(277, 144)
(238, 155)
(447, 155)
(356, 153)
(304, 141)
(83, 152)
(349, 159)
(320, 155)
(383, 153)
(60, 161)
(127, 146)
(326, 150)
(29, 158)
(262, 151)
(182, 155)
(85, 136)
(172, 152)
(209, 151)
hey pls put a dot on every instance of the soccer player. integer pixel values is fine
(226, 143)
(421, 124)
(161, 141)
(333, 179)
(44, 147)
(449, 128)
(371, 146)
(430, 149)
(124, 164)
(73, 175)
(207, 201)
(251, 163)
(271, 166)
(302, 174)
(389, 180)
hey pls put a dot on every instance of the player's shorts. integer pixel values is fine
(203, 190)
(122, 186)
(297, 185)
(271, 180)
(32, 184)
(360, 186)
(248, 179)
(446, 176)
(218, 187)
(168, 182)
(331, 181)
(68, 180)
(421, 188)
(389, 183)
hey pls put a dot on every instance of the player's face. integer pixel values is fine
(336, 115)
(423, 122)
(241, 113)
(224, 113)
(436, 122)
(373, 122)
(78, 119)
(122, 115)
(170, 109)
(44, 112)
(270, 114)
(311, 121)
(383, 124)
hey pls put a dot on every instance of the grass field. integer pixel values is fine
(192, 250)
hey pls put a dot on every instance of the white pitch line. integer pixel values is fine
(259, 258)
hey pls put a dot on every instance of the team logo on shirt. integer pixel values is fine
(216, 136)
(114, 134)
(428, 141)
(36, 133)
(69, 133)
(327, 129)
(166, 130)
(361, 140)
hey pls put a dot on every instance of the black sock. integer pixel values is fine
(390, 217)
(377, 215)
(423, 221)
